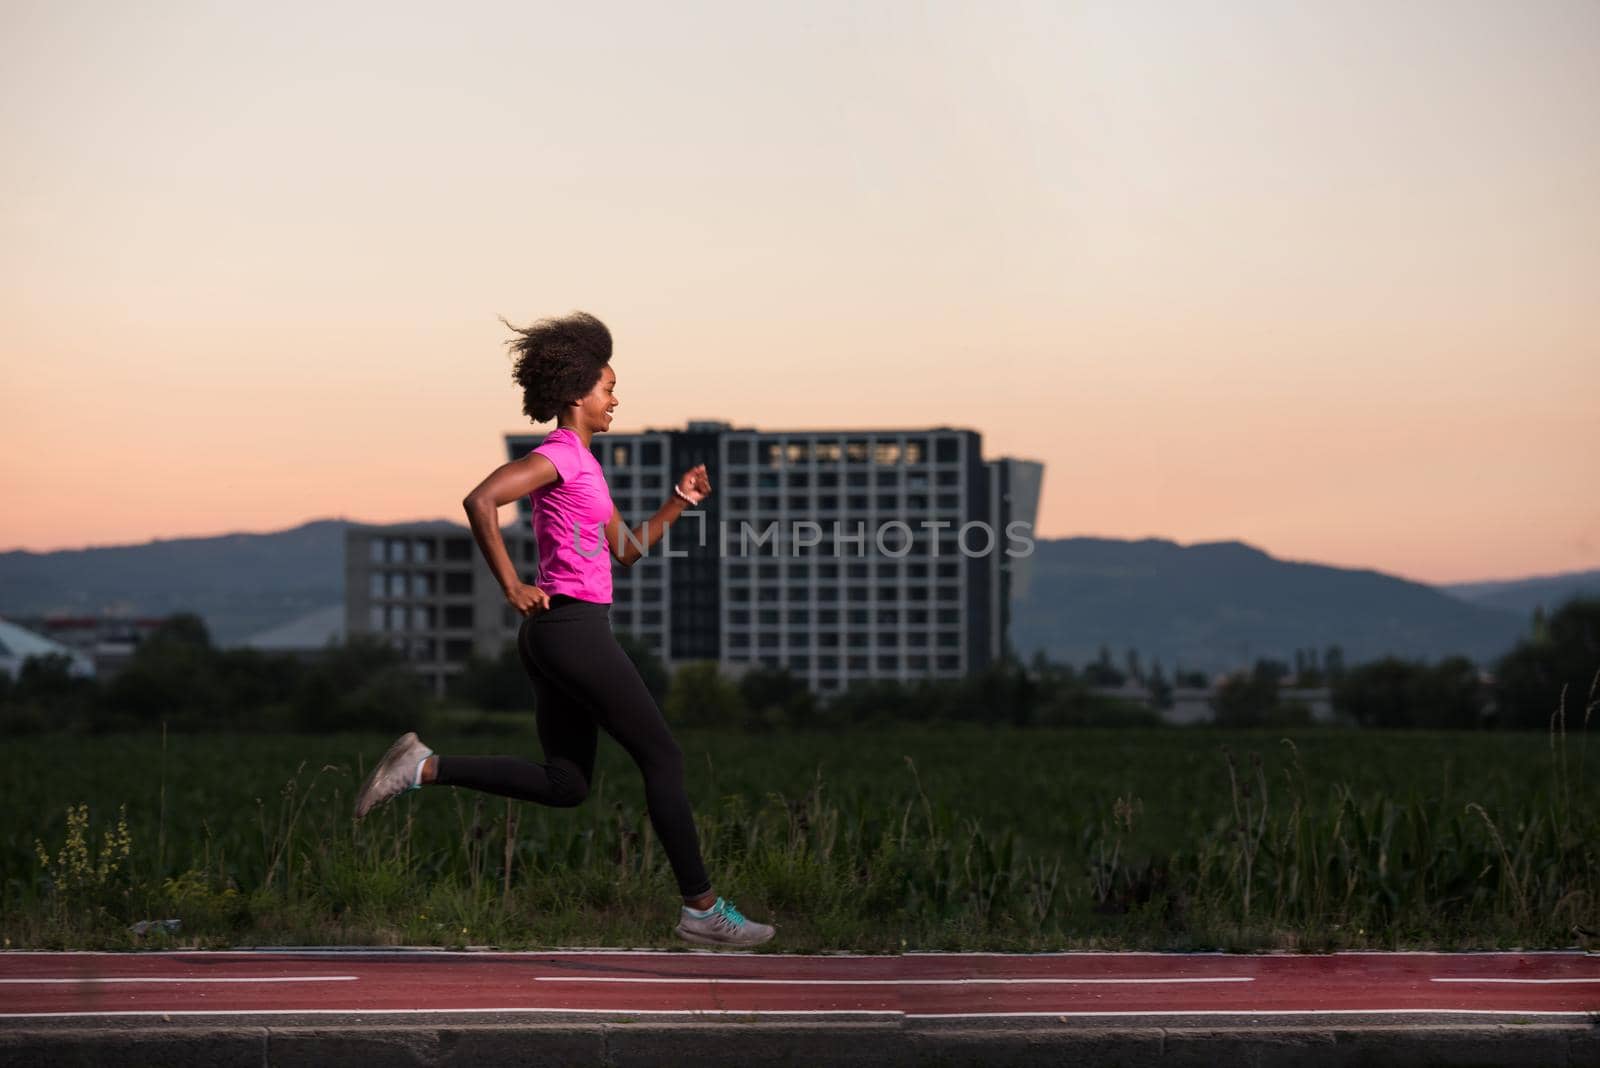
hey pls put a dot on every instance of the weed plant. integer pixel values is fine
(875, 840)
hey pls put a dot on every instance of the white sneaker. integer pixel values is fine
(722, 926)
(395, 774)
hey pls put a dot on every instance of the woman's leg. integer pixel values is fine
(582, 659)
(567, 734)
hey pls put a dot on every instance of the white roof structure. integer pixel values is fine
(309, 633)
(19, 643)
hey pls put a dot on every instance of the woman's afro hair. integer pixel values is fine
(558, 361)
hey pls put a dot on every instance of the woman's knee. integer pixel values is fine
(568, 786)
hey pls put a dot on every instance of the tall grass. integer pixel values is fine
(1488, 845)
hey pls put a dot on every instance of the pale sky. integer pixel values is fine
(1323, 277)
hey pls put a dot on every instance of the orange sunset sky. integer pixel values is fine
(1323, 277)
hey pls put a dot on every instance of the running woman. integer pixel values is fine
(582, 680)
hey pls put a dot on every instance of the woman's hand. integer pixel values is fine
(527, 600)
(695, 484)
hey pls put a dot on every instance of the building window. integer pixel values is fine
(917, 663)
(458, 616)
(886, 452)
(800, 616)
(799, 663)
(947, 450)
(739, 618)
(949, 663)
(422, 584)
(888, 662)
(375, 550)
(375, 618)
(397, 584)
(767, 617)
(621, 455)
(913, 452)
(458, 549)
(649, 453)
(421, 617)
(650, 617)
(422, 551)
(828, 639)
(457, 650)
(376, 584)
(457, 582)
(738, 452)
(856, 662)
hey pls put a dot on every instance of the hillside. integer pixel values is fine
(1207, 607)
(1223, 604)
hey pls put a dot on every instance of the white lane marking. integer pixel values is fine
(629, 1013)
(175, 979)
(398, 951)
(1497, 979)
(1174, 1013)
(728, 980)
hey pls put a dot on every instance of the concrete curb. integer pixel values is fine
(619, 1044)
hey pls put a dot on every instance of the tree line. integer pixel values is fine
(179, 677)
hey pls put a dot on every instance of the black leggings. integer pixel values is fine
(583, 680)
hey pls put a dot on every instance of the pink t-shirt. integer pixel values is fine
(580, 503)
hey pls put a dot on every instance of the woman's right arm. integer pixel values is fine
(509, 482)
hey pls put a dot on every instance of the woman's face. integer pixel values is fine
(595, 406)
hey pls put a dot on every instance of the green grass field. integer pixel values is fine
(867, 840)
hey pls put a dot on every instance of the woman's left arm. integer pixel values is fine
(627, 546)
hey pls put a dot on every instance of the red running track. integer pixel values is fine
(917, 985)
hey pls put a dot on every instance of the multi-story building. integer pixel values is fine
(839, 555)
(425, 589)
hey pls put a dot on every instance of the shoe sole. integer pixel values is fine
(702, 940)
(400, 745)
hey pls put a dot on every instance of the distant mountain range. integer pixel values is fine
(1225, 604)
(1203, 607)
